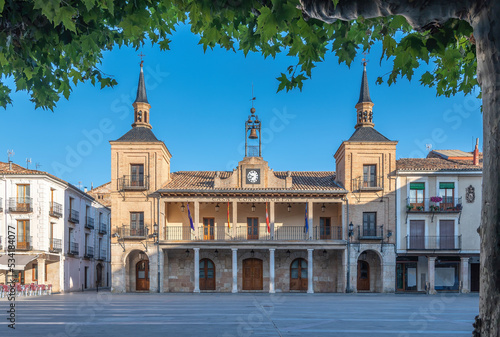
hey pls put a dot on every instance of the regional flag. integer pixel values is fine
(267, 221)
(306, 226)
(228, 218)
(190, 218)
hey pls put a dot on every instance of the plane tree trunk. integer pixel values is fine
(484, 17)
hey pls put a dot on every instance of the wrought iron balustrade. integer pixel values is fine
(448, 242)
(55, 209)
(133, 182)
(21, 205)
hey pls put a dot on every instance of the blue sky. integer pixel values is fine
(201, 100)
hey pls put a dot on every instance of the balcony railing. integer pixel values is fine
(55, 209)
(25, 243)
(55, 245)
(446, 205)
(133, 232)
(179, 233)
(219, 233)
(133, 182)
(102, 255)
(21, 205)
(74, 216)
(328, 233)
(451, 242)
(89, 251)
(367, 184)
(73, 248)
(252, 233)
(89, 222)
(373, 233)
(103, 228)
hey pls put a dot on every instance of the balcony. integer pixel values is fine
(328, 233)
(133, 183)
(127, 232)
(25, 244)
(74, 216)
(89, 251)
(103, 228)
(55, 210)
(367, 184)
(453, 242)
(55, 245)
(73, 248)
(375, 233)
(89, 222)
(102, 255)
(434, 205)
(21, 205)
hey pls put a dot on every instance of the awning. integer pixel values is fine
(20, 261)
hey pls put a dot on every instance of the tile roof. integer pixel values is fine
(301, 181)
(436, 164)
(368, 134)
(138, 134)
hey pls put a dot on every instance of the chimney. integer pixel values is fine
(476, 153)
(85, 189)
(10, 165)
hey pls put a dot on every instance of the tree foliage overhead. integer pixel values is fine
(50, 46)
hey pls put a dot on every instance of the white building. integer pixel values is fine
(61, 234)
(438, 214)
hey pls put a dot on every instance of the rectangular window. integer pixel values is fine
(446, 234)
(417, 235)
(137, 175)
(417, 192)
(325, 228)
(137, 224)
(369, 176)
(447, 193)
(252, 228)
(369, 224)
(23, 234)
(35, 272)
(23, 198)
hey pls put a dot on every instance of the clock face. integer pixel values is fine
(253, 176)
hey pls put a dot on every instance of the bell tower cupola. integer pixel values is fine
(253, 143)
(141, 104)
(364, 107)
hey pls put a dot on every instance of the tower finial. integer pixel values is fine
(253, 97)
(141, 86)
(364, 106)
(141, 104)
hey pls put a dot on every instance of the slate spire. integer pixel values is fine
(364, 107)
(141, 89)
(364, 93)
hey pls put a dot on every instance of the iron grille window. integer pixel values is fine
(369, 224)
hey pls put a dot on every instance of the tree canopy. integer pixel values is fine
(48, 47)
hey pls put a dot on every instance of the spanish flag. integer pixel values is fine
(267, 221)
(228, 218)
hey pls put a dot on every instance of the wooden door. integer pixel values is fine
(363, 276)
(298, 275)
(142, 275)
(447, 234)
(417, 234)
(208, 229)
(253, 228)
(325, 228)
(252, 274)
(86, 277)
(207, 275)
(23, 234)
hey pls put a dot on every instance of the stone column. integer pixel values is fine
(271, 220)
(235, 270)
(196, 270)
(431, 260)
(162, 262)
(62, 275)
(41, 271)
(310, 218)
(234, 220)
(464, 274)
(310, 288)
(271, 270)
(196, 220)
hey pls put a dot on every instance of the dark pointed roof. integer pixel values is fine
(368, 134)
(141, 89)
(138, 135)
(364, 94)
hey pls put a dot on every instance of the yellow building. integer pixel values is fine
(253, 229)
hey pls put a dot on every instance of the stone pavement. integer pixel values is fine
(250, 314)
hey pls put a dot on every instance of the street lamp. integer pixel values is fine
(182, 207)
(323, 208)
(253, 207)
(217, 207)
(351, 230)
(289, 207)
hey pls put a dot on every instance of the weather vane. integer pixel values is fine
(141, 55)
(253, 97)
(364, 60)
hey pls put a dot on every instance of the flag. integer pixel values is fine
(228, 218)
(267, 221)
(190, 218)
(306, 227)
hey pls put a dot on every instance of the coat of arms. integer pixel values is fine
(470, 194)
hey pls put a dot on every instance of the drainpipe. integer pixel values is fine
(348, 288)
(158, 242)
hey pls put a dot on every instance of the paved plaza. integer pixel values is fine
(257, 314)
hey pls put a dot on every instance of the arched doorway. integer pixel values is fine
(142, 275)
(369, 272)
(298, 275)
(252, 274)
(98, 273)
(363, 276)
(207, 274)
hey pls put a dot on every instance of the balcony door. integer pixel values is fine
(252, 228)
(298, 275)
(369, 174)
(325, 228)
(417, 234)
(208, 229)
(23, 196)
(51, 236)
(370, 224)
(417, 193)
(137, 175)
(23, 234)
(447, 234)
(137, 224)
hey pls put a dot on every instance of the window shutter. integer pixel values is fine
(446, 185)
(417, 186)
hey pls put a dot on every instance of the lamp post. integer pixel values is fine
(350, 234)
(156, 238)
